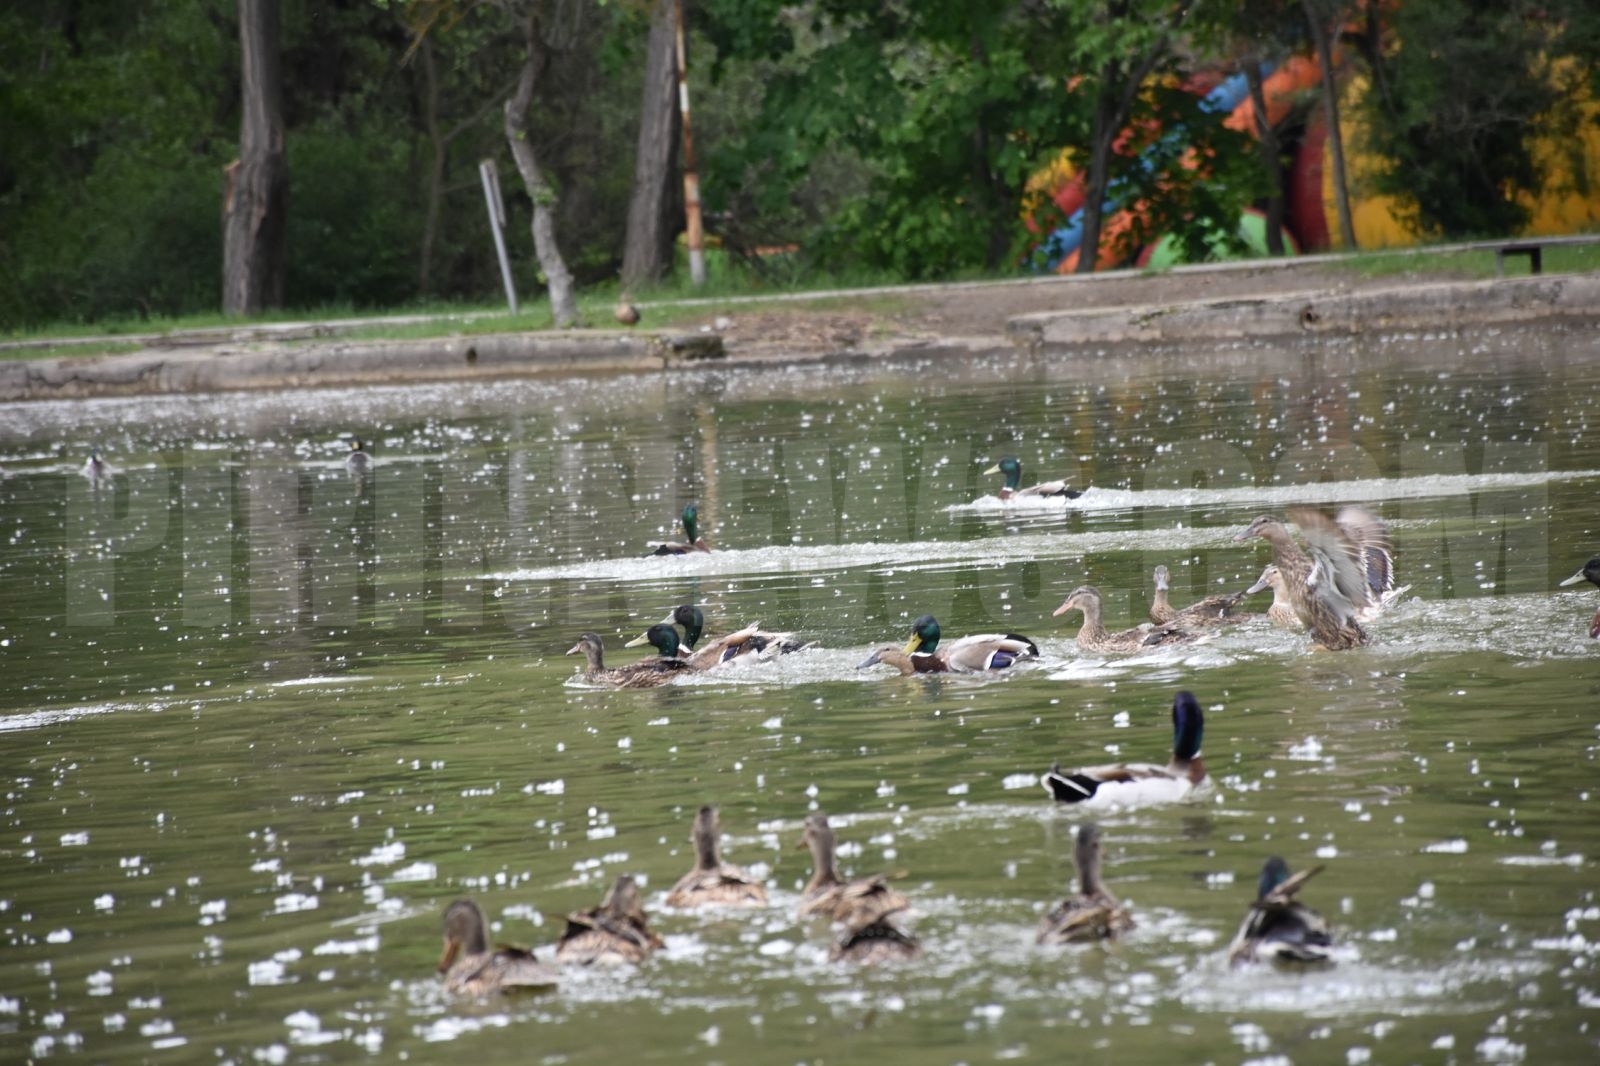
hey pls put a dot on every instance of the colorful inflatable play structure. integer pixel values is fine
(1292, 91)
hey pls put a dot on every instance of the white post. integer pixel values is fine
(497, 224)
(691, 180)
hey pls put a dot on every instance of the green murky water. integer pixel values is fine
(262, 721)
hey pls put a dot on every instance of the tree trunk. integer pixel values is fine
(437, 146)
(563, 301)
(1101, 136)
(254, 204)
(1270, 164)
(1330, 102)
(652, 214)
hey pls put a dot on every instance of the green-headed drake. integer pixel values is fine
(923, 655)
(751, 640)
(1139, 784)
(691, 531)
(1011, 467)
(1591, 574)
(472, 968)
(1093, 913)
(1280, 927)
(712, 882)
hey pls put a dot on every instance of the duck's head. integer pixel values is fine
(817, 835)
(691, 522)
(356, 445)
(691, 619)
(464, 927)
(1589, 573)
(1080, 598)
(585, 643)
(707, 832)
(924, 635)
(1271, 577)
(622, 898)
(1011, 467)
(1163, 579)
(1088, 858)
(660, 636)
(1263, 526)
(1274, 873)
(1188, 725)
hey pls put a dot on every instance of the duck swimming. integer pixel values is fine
(1093, 913)
(874, 943)
(359, 461)
(691, 531)
(713, 882)
(1281, 611)
(614, 932)
(471, 968)
(1591, 574)
(1280, 927)
(1092, 636)
(1011, 467)
(751, 640)
(1218, 609)
(991, 651)
(856, 903)
(1343, 576)
(95, 467)
(1137, 784)
(647, 673)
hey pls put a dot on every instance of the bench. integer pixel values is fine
(1533, 248)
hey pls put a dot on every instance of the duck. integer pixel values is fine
(1278, 926)
(359, 460)
(874, 943)
(691, 530)
(1218, 609)
(625, 312)
(471, 968)
(856, 903)
(1281, 611)
(1011, 467)
(974, 654)
(95, 467)
(1093, 913)
(1343, 577)
(647, 673)
(751, 640)
(713, 882)
(1591, 574)
(614, 932)
(1093, 636)
(1138, 784)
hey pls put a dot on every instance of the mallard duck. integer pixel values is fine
(989, 651)
(1011, 467)
(691, 527)
(1591, 574)
(1280, 927)
(1218, 609)
(1136, 784)
(359, 460)
(713, 882)
(625, 312)
(751, 640)
(856, 903)
(95, 467)
(1092, 636)
(875, 942)
(470, 967)
(643, 674)
(1345, 574)
(1092, 914)
(1281, 611)
(614, 932)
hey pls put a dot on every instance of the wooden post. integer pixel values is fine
(691, 182)
(497, 224)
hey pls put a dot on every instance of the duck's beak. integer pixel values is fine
(642, 638)
(871, 660)
(1246, 533)
(1261, 583)
(1066, 606)
(1575, 578)
(802, 844)
(451, 949)
(668, 621)
(912, 645)
(993, 469)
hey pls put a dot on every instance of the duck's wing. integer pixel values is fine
(1285, 891)
(1213, 610)
(1050, 488)
(875, 942)
(514, 967)
(868, 899)
(1372, 548)
(989, 651)
(1083, 918)
(1338, 578)
(727, 886)
(1283, 932)
(1105, 782)
(726, 647)
(649, 672)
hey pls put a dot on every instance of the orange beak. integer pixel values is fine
(451, 949)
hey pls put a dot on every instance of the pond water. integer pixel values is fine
(263, 720)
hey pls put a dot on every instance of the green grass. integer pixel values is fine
(1474, 264)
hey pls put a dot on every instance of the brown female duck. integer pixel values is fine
(1094, 637)
(1093, 913)
(855, 903)
(614, 932)
(471, 968)
(1218, 609)
(1281, 611)
(646, 673)
(1591, 574)
(713, 882)
(878, 941)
